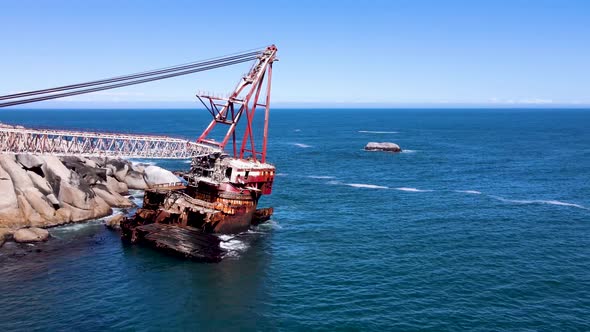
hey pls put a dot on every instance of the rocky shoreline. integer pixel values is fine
(39, 192)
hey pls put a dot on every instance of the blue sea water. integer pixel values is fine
(482, 223)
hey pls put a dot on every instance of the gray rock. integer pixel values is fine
(384, 146)
(157, 175)
(30, 161)
(33, 234)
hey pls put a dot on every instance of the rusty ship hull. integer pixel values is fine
(219, 195)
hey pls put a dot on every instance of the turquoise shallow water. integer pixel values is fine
(483, 223)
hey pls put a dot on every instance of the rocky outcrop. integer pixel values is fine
(384, 146)
(155, 175)
(45, 191)
(33, 234)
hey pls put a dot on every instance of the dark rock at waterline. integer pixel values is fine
(383, 146)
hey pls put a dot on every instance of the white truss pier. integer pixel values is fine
(19, 140)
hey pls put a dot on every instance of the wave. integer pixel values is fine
(540, 201)
(281, 174)
(414, 190)
(297, 130)
(232, 245)
(363, 185)
(377, 132)
(320, 177)
(408, 151)
(474, 192)
(334, 182)
(301, 145)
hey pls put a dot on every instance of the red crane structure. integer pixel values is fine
(242, 102)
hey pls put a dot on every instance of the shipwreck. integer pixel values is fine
(220, 192)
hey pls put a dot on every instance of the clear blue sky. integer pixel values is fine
(331, 52)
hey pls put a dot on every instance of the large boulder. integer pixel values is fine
(383, 146)
(40, 183)
(112, 198)
(135, 180)
(157, 175)
(10, 214)
(119, 168)
(33, 234)
(116, 186)
(30, 161)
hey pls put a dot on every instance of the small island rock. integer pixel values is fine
(384, 146)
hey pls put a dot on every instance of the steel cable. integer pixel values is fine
(118, 85)
(172, 69)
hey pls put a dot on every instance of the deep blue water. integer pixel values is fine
(483, 223)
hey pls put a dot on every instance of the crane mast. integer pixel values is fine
(243, 101)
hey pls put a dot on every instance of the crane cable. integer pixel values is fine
(132, 79)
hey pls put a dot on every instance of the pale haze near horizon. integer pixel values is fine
(377, 53)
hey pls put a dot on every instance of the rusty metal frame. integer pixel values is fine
(250, 85)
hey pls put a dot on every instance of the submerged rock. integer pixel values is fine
(33, 234)
(383, 146)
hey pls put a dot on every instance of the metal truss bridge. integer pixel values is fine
(225, 111)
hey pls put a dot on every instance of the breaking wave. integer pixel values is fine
(474, 192)
(301, 145)
(408, 151)
(377, 132)
(233, 246)
(363, 185)
(539, 201)
(414, 190)
(320, 177)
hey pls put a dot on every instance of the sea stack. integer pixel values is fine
(383, 146)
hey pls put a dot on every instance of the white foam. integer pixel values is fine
(232, 245)
(334, 182)
(301, 145)
(281, 174)
(320, 177)
(408, 151)
(377, 132)
(363, 185)
(414, 190)
(539, 201)
(474, 192)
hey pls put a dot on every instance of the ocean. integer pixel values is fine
(481, 223)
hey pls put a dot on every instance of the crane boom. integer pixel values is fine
(16, 139)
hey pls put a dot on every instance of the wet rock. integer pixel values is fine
(157, 175)
(33, 234)
(114, 222)
(383, 146)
